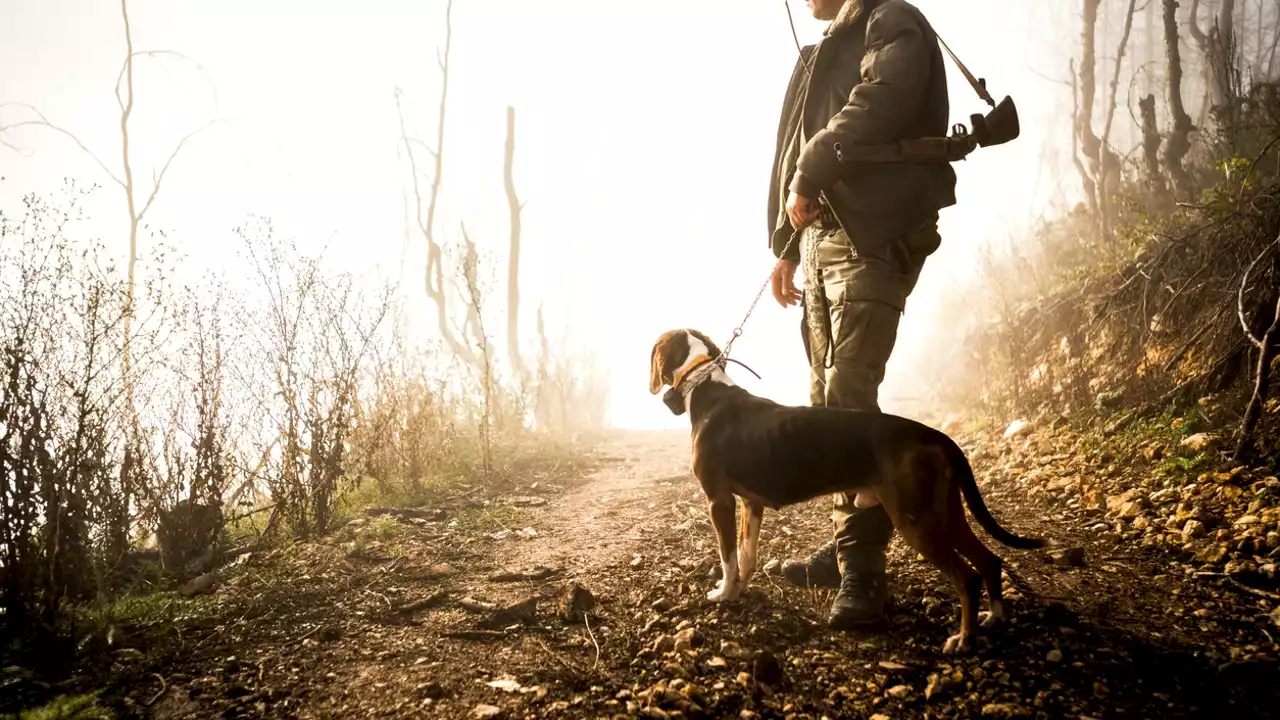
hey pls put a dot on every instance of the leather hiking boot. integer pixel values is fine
(820, 569)
(864, 589)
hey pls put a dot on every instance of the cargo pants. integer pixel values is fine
(852, 304)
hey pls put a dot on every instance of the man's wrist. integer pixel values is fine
(804, 187)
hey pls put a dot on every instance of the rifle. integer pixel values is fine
(995, 128)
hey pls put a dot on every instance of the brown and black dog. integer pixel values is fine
(773, 455)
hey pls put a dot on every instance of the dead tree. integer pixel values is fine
(436, 288)
(1275, 45)
(137, 207)
(1216, 46)
(1110, 162)
(1179, 143)
(514, 207)
(1151, 144)
(1266, 346)
(1090, 188)
(1090, 144)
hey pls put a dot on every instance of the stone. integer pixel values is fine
(1068, 557)
(899, 691)
(1199, 442)
(1016, 428)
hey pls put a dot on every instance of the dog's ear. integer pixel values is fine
(712, 350)
(657, 367)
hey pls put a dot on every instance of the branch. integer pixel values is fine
(42, 121)
(155, 189)
(161, 54)
(1115, 77)
(1193, 26)
(1244, 283)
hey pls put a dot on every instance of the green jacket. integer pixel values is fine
(877, 77)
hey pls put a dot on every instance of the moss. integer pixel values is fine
(67, 707)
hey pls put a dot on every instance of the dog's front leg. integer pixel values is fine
(723, 513)
(748, 540)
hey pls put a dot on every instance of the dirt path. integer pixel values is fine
(429, 617)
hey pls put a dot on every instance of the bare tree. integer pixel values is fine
(1216, 45)
(1151, 144)
(1275, 44)
(1086, 179)
(1110, 178)
(1090, 144)
(434, 280)
(137, 208)
(1178, 143)
(1266, 346)
(514, 206)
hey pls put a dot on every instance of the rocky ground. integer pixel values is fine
(584, 597)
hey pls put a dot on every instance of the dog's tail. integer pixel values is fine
(963, 473)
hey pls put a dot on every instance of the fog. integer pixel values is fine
(644, 140)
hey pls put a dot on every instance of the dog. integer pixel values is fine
(773, 455)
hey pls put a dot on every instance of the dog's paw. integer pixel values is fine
(724, 593)
(958, 644)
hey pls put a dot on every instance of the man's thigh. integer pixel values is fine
(863, 335)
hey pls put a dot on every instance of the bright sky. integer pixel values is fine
(644, 141)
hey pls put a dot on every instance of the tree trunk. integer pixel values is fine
(1179, 143)
(1109, 182)
(1262, 376)
(1217, 45)
(126, 111)
(1090, 144)
(513, 257)
(1151, 145)
(434, 282)
(1086, 180)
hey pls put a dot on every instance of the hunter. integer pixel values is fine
(875, 77)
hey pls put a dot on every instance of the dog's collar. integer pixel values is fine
(684, 374)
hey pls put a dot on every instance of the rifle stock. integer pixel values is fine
(995, 128)
(998, 126)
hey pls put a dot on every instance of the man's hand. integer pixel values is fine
(801, 210)
(784, 284)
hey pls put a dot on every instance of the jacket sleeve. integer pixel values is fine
(895, 73)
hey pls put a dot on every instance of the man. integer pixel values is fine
(876, 77)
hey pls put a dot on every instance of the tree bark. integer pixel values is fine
(1090, 143)
(1217, 45)
(1109, 181)
(1266, 346)
(1090, 188)
(434, 283)
(1151, 145)
(513, 256)
(126, 111)
(1178, 143)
